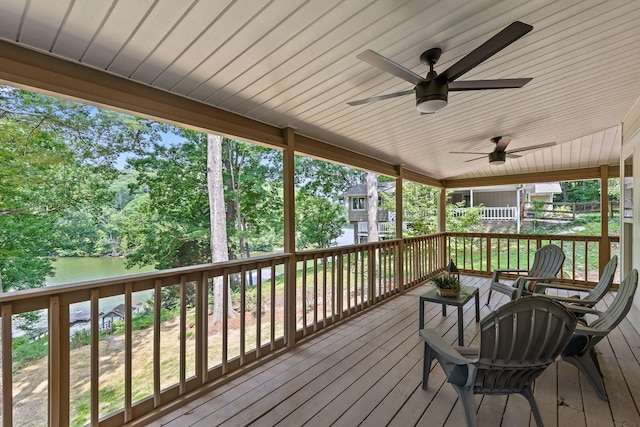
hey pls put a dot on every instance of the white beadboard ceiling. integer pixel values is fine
(293, 63)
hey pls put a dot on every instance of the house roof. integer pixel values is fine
(547, 187)
(293, 64)
(361, 189)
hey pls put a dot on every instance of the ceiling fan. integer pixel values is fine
(432, 92)
(499, 154)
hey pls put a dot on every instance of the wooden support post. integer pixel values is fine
(399, 248)
(58, 362)
(605, 245)
(442, 225)
(289, 238)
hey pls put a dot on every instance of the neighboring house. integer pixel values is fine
(506, 202)
(116, 313)
(358, 216)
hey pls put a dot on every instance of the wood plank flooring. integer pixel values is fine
(368, 370)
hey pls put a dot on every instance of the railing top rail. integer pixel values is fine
(140, 277)
(346, 248)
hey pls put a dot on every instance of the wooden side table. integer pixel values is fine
(466, 293)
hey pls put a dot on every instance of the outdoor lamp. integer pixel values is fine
(452, 269)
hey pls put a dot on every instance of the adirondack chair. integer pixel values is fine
(517, 343)
(547, 262)
(595, 295)
(580, 351)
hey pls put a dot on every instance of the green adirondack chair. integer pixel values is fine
(547, 262)
(580, 351)
(518, 341)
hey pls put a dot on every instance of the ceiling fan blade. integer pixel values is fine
(512, 156)
(489, 84)
(502, 144)
(387, 65)
(532, 147)
(486, 50)
(380, 97)
(477, 158)
(466, 152)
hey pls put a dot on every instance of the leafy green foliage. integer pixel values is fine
(420, 203)
(446, 281)
(57, 162)
(318, 221)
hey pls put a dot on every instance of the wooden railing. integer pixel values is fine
(170, 346)
(484, 252)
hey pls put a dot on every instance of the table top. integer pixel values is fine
(466, 293)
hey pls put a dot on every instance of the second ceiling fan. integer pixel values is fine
(499, 154)
(432, 91)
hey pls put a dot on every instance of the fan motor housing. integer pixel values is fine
(430, 90)
(497, 157)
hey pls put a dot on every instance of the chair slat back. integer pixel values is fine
(547, 261)
(619, 307)
(519, 340)
(605, 282)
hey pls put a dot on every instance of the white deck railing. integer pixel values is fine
(504, 213)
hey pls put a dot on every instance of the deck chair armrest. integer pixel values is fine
(586, 330)
(581, 309)
(437, 343)
(522, 281)
(498, 271)
(567, 300)
(541, 287)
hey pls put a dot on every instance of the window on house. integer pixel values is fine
(358, 204)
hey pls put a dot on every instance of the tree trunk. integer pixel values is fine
(219, 249)
(372, 207)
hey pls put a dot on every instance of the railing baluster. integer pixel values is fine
(95, 357)
(243, 309)
(315, 293)
(157, 308)
(183, 334)
(273, 307)
(202, 327)
(259, 313)
(7, 366)
(348, 266)
(324, 291)
(225, 320)
(128, 331)
(304, 297)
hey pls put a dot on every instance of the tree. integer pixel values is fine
(318, 221)
(57, 160)
(217, 215)
(420, 204)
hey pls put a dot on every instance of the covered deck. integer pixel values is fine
(367, 371)
(260, 80)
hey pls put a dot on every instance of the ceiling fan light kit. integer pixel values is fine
(431, 96)
(497, 158)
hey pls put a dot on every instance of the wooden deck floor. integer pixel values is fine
(368, 372)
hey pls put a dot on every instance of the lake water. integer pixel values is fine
(80, 269)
